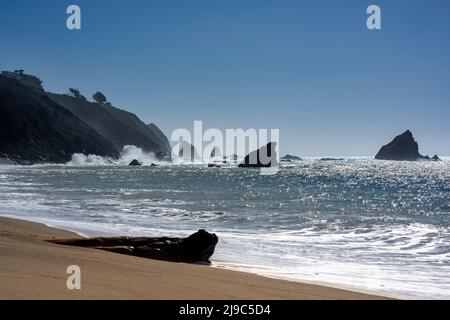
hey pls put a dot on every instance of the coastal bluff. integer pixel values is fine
(37, 126)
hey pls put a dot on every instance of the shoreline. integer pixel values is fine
(32, 268)
(220, 265)
(316, 283)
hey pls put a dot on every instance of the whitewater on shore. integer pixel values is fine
(375, 226)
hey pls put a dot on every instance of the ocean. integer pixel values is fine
(375, 226)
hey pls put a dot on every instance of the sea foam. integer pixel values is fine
(128, 154)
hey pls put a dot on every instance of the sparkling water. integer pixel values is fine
(375, 226)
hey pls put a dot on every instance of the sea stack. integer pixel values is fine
(188, 152)
(436, 158)
(402, 148)
(264, 157)
(289, 157)
(135, 163)
(215, 153)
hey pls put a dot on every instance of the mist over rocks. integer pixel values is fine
(403, 148)
(38, 126)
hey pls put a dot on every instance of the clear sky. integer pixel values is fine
(310, 68)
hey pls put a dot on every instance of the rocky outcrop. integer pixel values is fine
(262, 158)
(35, 129)
(135, 163)
(188, 152)
(163, 155)
(26, 79)
(215, 153)
(198, 247)
(230, 159)
(331, 159)
(436, 158)
(402, 148)
(38, 126)
(289, 157)
(116, 125)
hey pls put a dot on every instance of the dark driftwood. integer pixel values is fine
(198, 247)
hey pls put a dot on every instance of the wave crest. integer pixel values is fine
(128, 154)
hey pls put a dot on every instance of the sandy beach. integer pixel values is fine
(32, 268)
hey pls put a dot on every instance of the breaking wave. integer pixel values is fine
(128, 154)
(376, 226)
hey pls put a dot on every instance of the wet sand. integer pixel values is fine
(32, 268)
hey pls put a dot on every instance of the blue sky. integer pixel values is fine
(310, 68)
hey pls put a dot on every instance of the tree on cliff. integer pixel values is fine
(76, 93)
(99, 97)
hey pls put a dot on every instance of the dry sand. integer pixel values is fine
(32, 268)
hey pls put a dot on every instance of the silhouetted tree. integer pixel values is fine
(76, 93)
(99, 97)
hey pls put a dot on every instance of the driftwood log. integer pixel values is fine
(198, 247)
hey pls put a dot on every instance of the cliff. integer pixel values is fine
(35, 129)
(116, 125)
(37, 126)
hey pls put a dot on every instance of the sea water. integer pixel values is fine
(375, 226)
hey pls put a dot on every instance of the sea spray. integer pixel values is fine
(128, 154)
